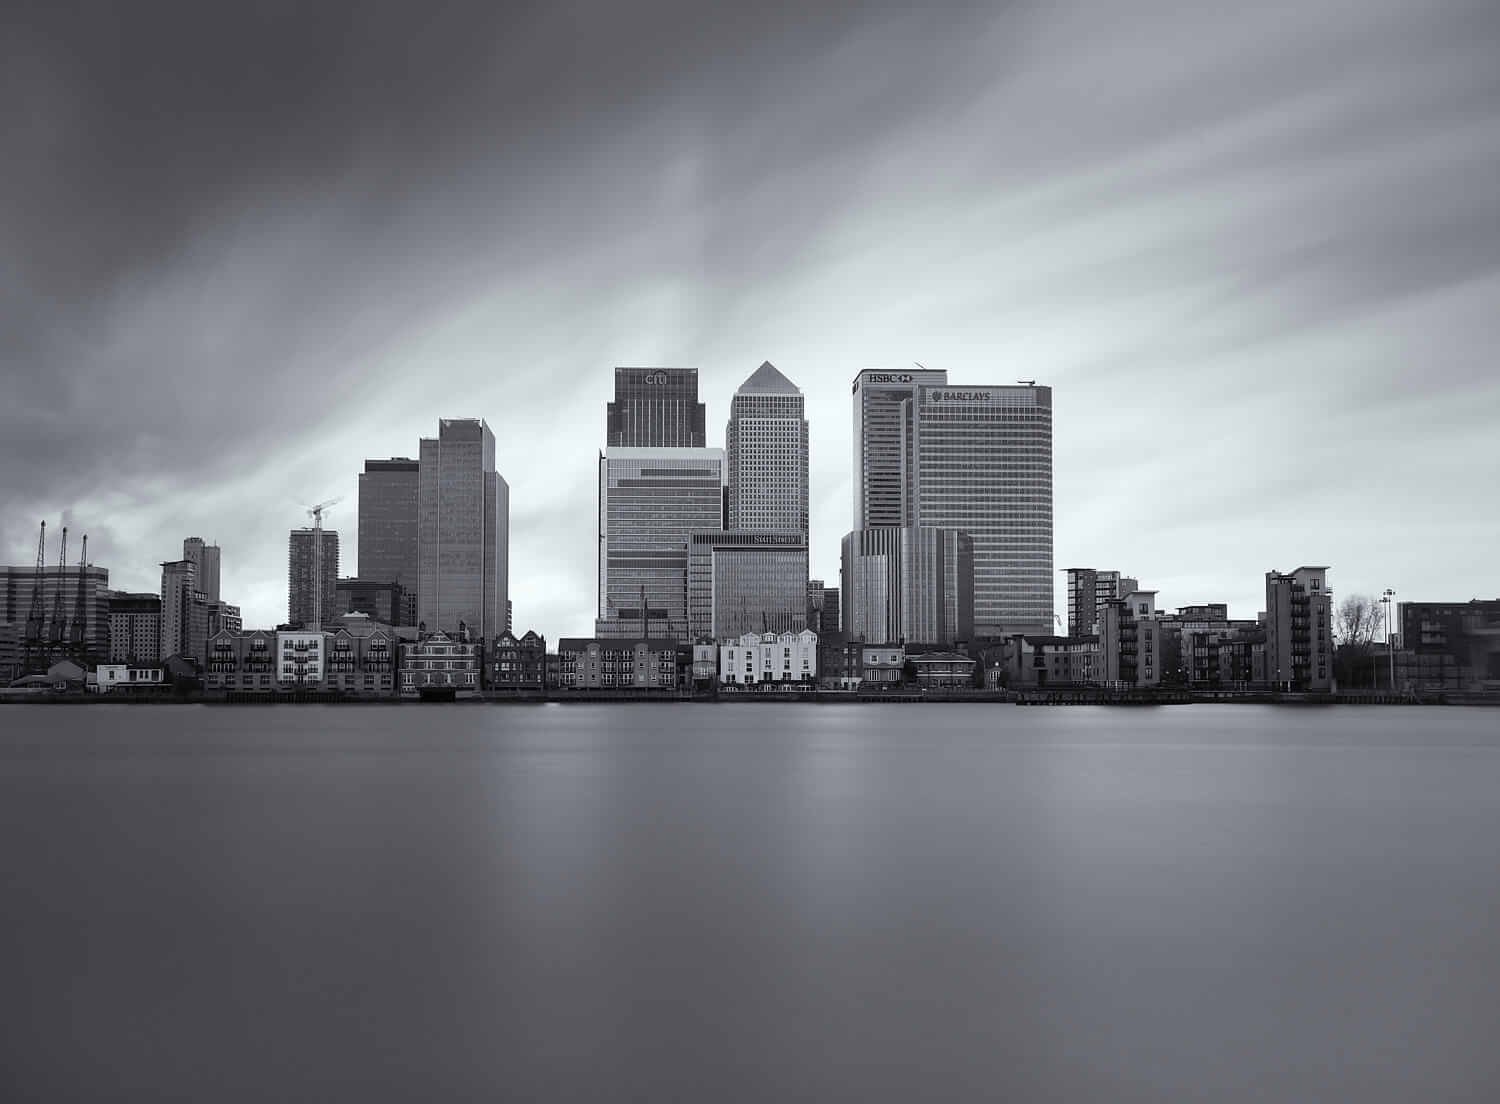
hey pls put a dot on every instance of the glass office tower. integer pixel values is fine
(655, 408)
(388, 491)
(651, 500)
(463, 531)
(975, 459)
(747, 581)
(765, 447)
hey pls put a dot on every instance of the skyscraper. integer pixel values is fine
(651, 501)
(765, 445)
(974, 459)
(463, 531)
(655, 408)
(908, 584)
(205, 558)
(302, 582)
(184, 612)
(388, 493)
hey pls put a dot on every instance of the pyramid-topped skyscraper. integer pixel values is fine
(766, 450)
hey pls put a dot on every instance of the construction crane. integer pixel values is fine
(78, 630)
(36, 617)
(316, 513)
(57, 633)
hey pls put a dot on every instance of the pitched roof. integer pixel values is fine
(767, 380)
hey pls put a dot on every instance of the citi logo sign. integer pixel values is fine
(656, 379)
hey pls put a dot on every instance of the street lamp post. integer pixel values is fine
(1387, 599)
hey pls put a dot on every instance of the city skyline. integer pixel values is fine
(1247, 247)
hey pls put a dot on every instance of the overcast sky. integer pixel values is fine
(1253, 247)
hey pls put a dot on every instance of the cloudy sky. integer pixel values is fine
(1254, 248)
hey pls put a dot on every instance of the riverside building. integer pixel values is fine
(1299, 617)
(463, 531)
(743, 581)
(307, 577)
(1088, 591)
(206, 562)
(977, 459)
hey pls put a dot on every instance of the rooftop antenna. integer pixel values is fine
(1027, 383)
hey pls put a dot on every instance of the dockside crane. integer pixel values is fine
(78, 643)
(36, 616)
(57, 633)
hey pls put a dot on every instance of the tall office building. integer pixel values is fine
(302, 578)
(744, 581)
(388, 493)
(908, 584)
(651, 501)
(184, 612)
(765, 446)
(975, 459)
(655, 408)
(463, 531)
(205, 558)
(134, 627)
(1089, 589)
(16, 586)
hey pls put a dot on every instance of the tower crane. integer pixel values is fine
(57, 632)
(78, 630)
(316, 513)
(36, 616)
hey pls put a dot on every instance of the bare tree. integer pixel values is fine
(1358, 621)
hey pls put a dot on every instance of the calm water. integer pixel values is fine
(749, 903)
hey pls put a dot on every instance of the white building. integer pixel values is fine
(300, 657)
(111, 676)
(770, 657)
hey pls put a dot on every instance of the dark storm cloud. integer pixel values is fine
(243, 246)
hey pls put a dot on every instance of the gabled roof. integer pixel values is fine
(766, 380)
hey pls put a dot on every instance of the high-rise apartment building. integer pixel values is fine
(742, 581)
(655, 408)
(908, 585)
(184, 612)
(651, 501)
(306, 576)
(205, 558)
(463, 531)
(388, 493)
(975, 458)
(765, 447)
(1089, 589)
(1299, 627)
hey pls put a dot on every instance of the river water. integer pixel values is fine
(800, 902)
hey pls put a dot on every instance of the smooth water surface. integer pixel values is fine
(635, 902)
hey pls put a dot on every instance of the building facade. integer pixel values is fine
(463, 532)
(909, 584)
(747, 581)
(184, 612)
(440, 665)
(387, 539)
(1054, 661)
(782, 658)
(134, 627)
(518, 664)
(651, 502)
(379, 598)
(206, 563)
(1130, 644)
(1299, 616)
(977, 459)
(308, 577)
(765, 448)
(110, 678)
(607, 664)
(655, 408)
(1450, 646)
(1088, 590)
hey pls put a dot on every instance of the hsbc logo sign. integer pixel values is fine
(882, 377)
